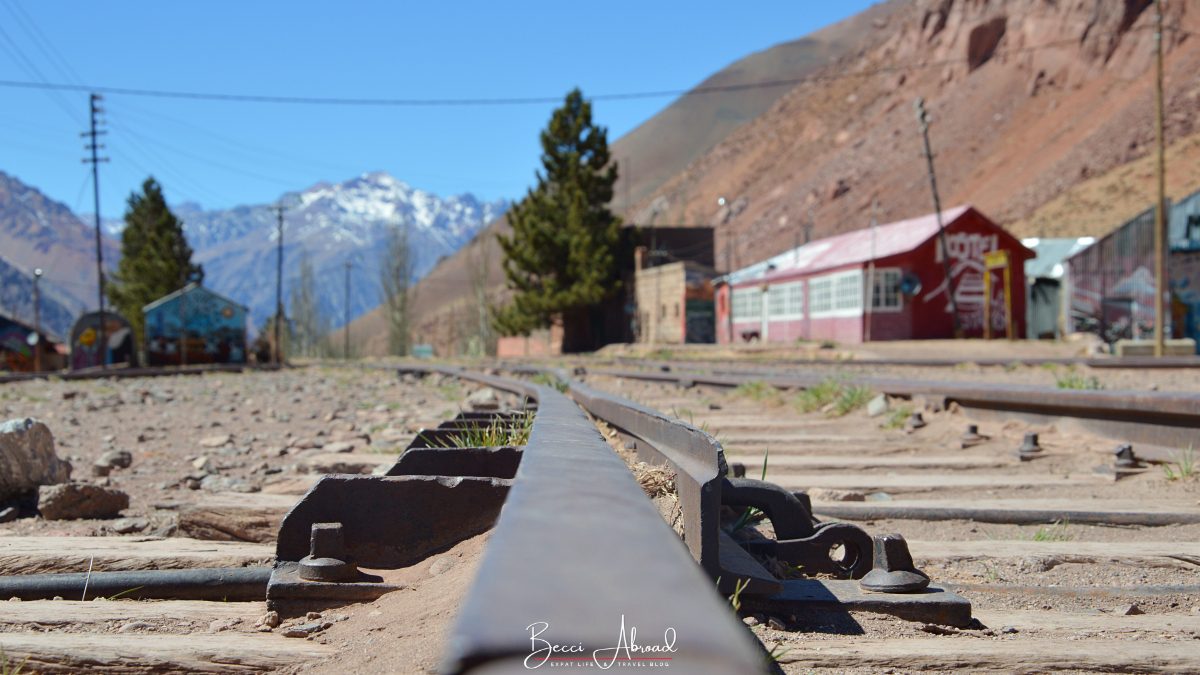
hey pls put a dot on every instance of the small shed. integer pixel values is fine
(18, 342)
(1044, 277)
(86, 348)
(674, 303)
(882, 283)
(195, 325)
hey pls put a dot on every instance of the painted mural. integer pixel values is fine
(16, 354)
(86, 349)
(213, 328)
(1112, 283)
(966, 251)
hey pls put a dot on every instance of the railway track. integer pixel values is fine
(1029, 572)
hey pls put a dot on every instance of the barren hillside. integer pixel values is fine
(1042, 115)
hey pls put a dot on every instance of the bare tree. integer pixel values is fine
(396, 274)
(309, 325)
(484, 342)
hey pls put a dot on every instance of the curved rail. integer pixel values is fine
(579, 557)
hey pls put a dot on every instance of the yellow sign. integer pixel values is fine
(995, 259)
(88, 337)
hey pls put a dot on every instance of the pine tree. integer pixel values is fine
(155, 257)
(561, 256)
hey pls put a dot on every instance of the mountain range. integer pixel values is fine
(330, 223)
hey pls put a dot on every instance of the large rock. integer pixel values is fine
(27, 458)
(80, 500)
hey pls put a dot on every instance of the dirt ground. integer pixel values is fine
(255, 429)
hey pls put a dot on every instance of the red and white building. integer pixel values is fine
(881, 283)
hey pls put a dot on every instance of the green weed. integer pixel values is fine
(7, 668)
(549, 380)
(851, 399)
(757, 390)
(125, 592)
(777, 652)
(497, 433)
(898, 418)
(819, 395)
(752, 513)
(1071, 379)
(736, 599)
(1185, 465)
(1057, 531)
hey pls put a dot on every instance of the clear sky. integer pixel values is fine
(222, 154)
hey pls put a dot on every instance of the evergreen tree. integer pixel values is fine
(155, 257)
(561, 256)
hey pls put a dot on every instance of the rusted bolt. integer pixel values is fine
(327, 559)
(580, 371)
(972, 436)
(1125, 459)
(893, 570)
(916, 421)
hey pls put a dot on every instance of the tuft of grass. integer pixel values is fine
(550, 380)
(752, 513)
(7, 668)
(1184, 465)
(851, 399)
(661, 354)
(1057, 531)
(125, 592)
(1072, 379)
(898, 418)
(777, 652)
(736, 599)
(819, 395)
(496, 434)
(757, 390)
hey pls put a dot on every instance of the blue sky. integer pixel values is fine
(221, 154)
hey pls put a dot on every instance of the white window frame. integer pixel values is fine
(820, 286)
(882, 277)
(742, 300)
(791, 299)
(838, 284)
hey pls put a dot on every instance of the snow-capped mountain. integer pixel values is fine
(332, 224)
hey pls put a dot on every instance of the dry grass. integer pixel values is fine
(656, 481)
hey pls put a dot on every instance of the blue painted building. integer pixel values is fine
(213, 328)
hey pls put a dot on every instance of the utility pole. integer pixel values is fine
(1160, 244)
(278, 356)
(37, 321)
(94, 146)
(923, 120)
(870, 294)
(346, 335)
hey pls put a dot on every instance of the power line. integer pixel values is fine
(513, 101)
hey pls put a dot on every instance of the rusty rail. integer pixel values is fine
(1159, 418)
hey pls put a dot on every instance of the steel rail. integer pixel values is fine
(1112, 362)
(1160, 418)
(582, 555)
(122, 373)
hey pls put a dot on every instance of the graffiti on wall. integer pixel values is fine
(213, 328)
(966, 251)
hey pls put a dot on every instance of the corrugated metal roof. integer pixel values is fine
(1051, 254)
(850, 248)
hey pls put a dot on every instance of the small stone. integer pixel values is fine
(216, 441)
(302, 631)
(129, 525)
(135, 625)
(877, 406)
(750, 621)
(270, 619)
(101, 470)
(8, 514)
(14, 599)
(1127, 610)
(219, 625)
(68, 501)
(312, 615)
(833, 495)
(204, 463)
(441, 565)
(484, 399)
(775, 624)
(1009, 630)
(339, 446)
(116, 459)
(57, 597)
